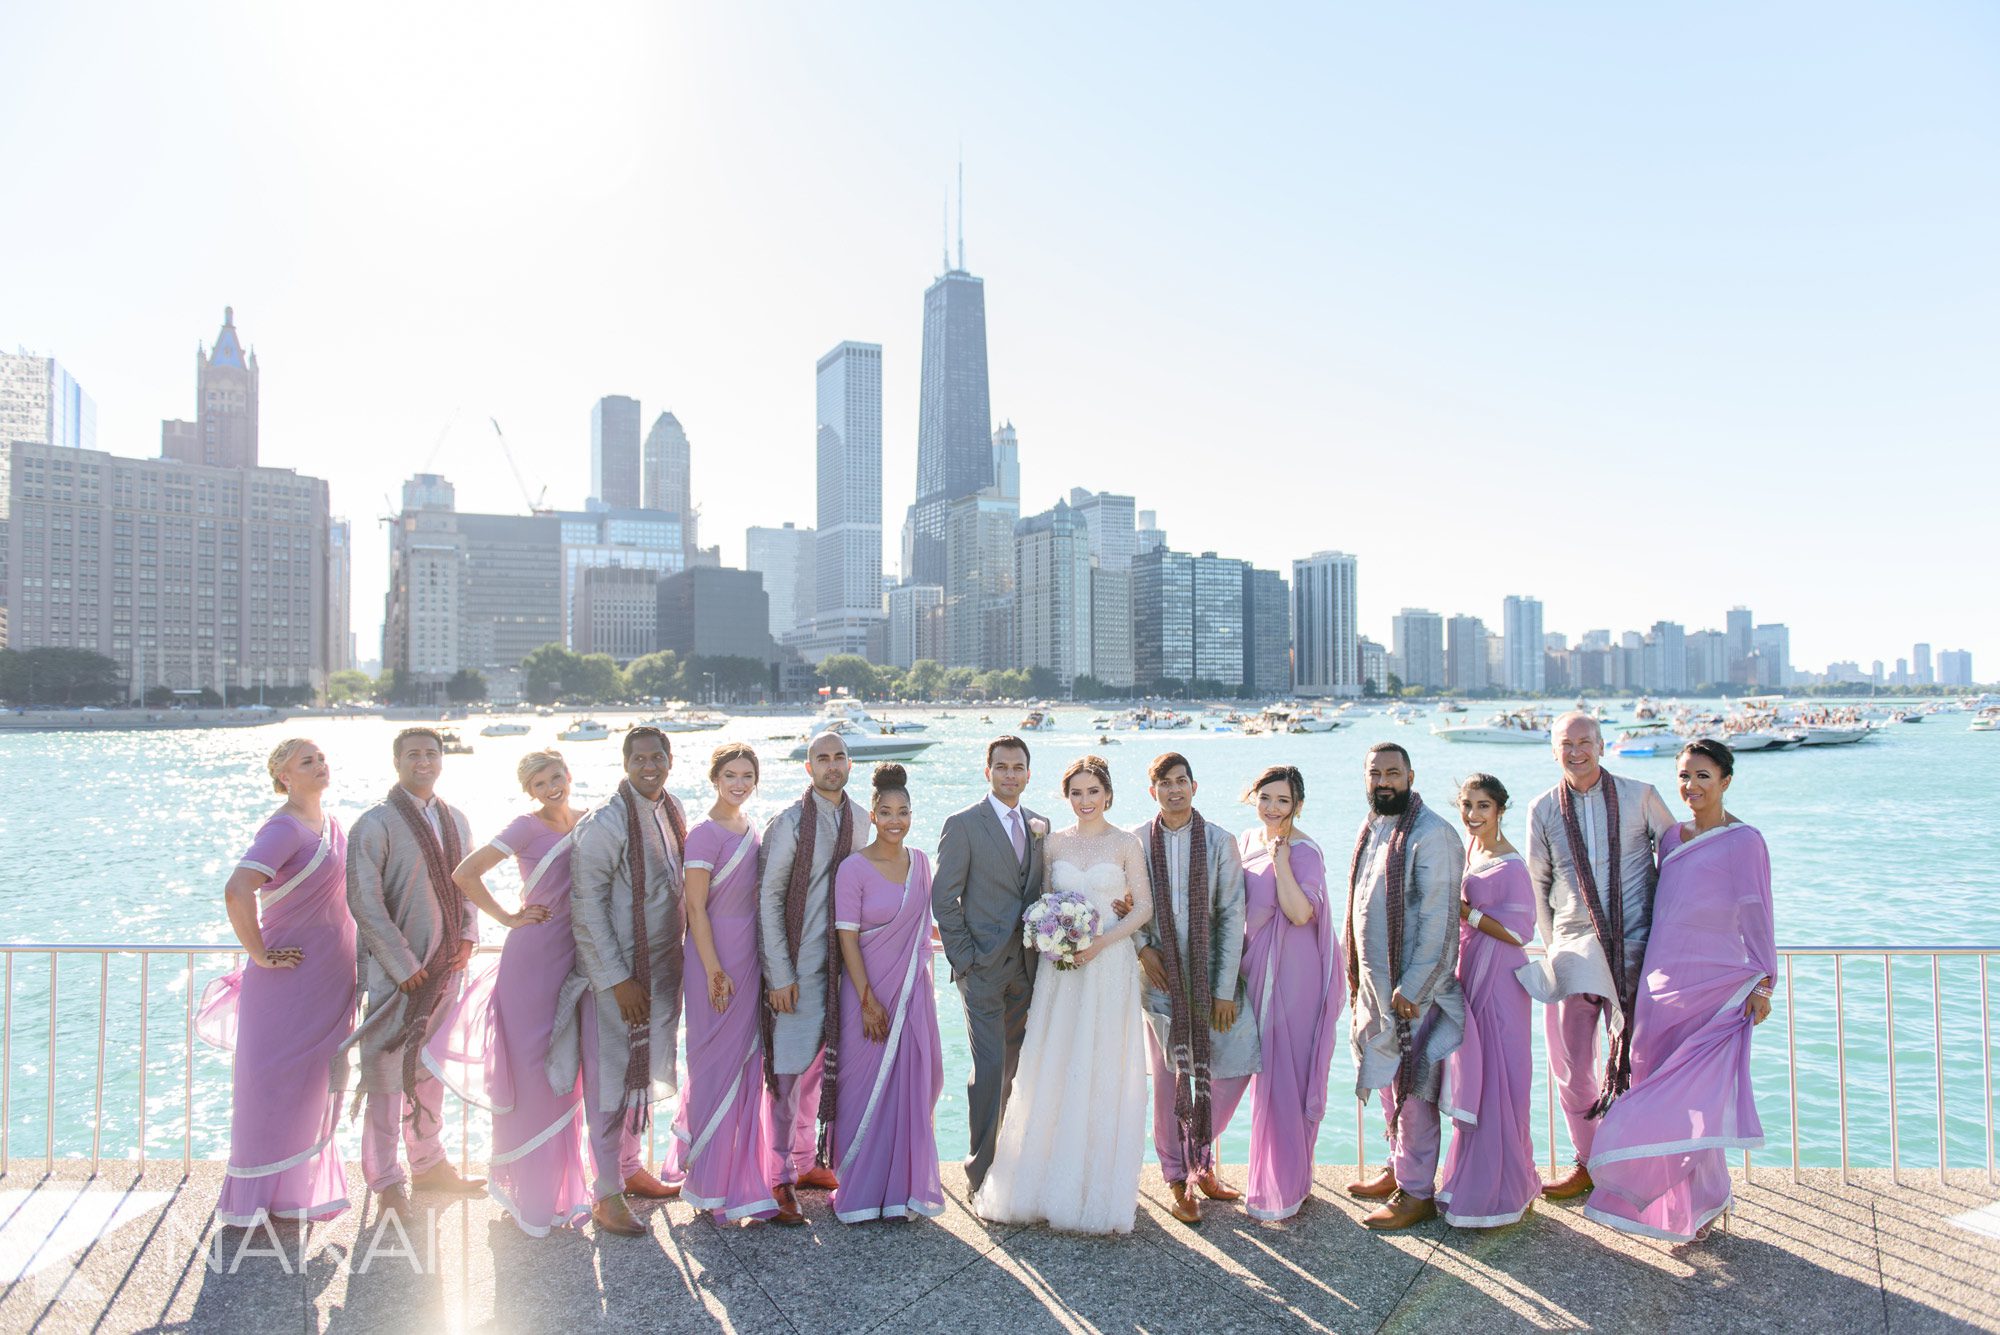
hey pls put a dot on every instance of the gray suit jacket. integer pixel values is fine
(1240, 1051)
(397, 922)
(601, 919)
(980, 890)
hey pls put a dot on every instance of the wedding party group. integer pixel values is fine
(771, 991)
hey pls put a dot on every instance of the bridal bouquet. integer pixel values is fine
(1059, 924)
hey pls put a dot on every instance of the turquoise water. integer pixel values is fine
(128, 837)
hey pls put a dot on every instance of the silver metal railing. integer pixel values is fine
(1943, 981)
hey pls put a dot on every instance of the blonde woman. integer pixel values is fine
(287, 1010)
(491, 1051)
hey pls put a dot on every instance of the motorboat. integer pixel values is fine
(1987, 721)
(1450, 707)
(1648, 739)
(865, 745)
(849, 711)
(1520, 728)
(685, 720)
(583, 730)
(1038, 720)
(504, 730)
(1835, 734)
(1148, 719)
(453, 744)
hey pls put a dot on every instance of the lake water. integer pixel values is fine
(128, 837)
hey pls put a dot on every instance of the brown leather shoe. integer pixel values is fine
(445, 1178)
(1375, 1188)
(647, 1187)
(613, 1215)
(1569, 1186)
(393, 1201)
(1215, 1188)
(1401, 1210)
(788, 1215)
(1186, 1206)
(818, 1178)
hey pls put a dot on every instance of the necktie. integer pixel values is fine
(1017, 834)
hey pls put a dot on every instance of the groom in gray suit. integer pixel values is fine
(989, 869)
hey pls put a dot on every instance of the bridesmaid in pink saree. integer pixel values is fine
(1659, 1160)
(492, 1048)
(884, 1076)
(1297, 977)
(285, 1012)
(1489, 1176)
(721, 1146)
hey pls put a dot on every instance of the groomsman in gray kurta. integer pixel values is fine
(1202, 1041)
(416, 933)
(1592, 856)
(618, 1014)
(989, 869)
(1407, 1013)
(794, 907)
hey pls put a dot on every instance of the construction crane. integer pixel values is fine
(536, 502)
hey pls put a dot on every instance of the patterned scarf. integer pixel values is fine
(639, 1037)
(422, 1003)
(1399, 838)
(1607, 916)
(1189, 988)
(797, 883)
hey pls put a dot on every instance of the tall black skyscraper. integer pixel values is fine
(954, 409)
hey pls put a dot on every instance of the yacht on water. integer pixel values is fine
(850, 711)
(1038, 720)
(863, 744)
(583, 730)
(453, 744)
(1522, 727)
(504, 730)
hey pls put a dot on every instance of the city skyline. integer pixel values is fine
(1489, 295)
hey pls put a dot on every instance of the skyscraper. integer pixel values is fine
(1772, 644)
(916, 624)
(785, 558)
(1326, 660)
(339, 595)
(1920, 665)
(1465, 653)
(1052, 595)
(1417, 646)
(614, 451)
(668, 473)
(1267, 632)
(1954, 667)
(954, 408)
(41, 404)
(1666, 657)
(1738, 644)
(1108, 518)
(1187, 619)
(978, 616)
(1521, 627)
(224, 432)
(847, 608)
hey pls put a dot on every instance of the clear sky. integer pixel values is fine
(1645, 310)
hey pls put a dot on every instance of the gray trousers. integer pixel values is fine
(996, 1019)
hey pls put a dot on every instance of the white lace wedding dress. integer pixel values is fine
(1074, 1129)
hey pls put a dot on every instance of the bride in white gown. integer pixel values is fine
(1074, 1129)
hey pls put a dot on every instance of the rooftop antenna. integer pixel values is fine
(961, 207)
(944, 231)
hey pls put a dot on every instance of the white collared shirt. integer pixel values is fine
(1008, 815)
